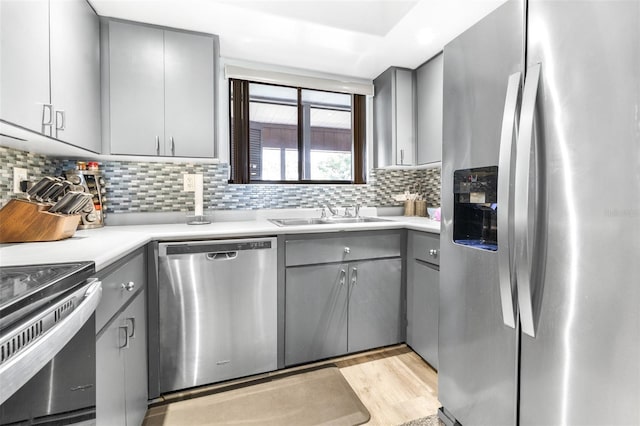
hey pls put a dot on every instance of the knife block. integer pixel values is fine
(26, 221)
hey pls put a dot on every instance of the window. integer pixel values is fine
(289, 134)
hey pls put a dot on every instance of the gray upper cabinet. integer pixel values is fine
(394, 133)
(161, 91)
(75, 73)
(50, 73)
(136, 99)
(189, 91)
(24, 60)
(429, 79)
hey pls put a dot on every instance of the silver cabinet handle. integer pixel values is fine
(343, 277)
(347, 250)
(128, 286)
(173, 146)
(433, 253)
(124, 328)
(132, 321)
(157, 145)
(524, 204)
(506, 271)
(354, 276)
(47, 122)
(402, 156)
(60, 121)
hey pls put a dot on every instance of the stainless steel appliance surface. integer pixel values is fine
(543, 326)
(47, 342)
(217, 308)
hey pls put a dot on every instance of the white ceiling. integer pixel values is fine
(354, 38)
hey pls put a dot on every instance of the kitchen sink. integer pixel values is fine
(325, 221)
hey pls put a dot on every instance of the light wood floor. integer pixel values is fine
(394, 383)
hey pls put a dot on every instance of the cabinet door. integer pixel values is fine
(75, 73)
(24, 62)
(135, 361)
(404, 118)
(375, 304)
(189, 94)
(315, 312)
(110, 401)
(429, 81)
(136, 100)
(423, 292)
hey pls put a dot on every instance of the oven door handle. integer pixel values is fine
(17, 371)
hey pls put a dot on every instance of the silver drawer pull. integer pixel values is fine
(132, 333)
(125, 345)
(347, 250)
(433, 253)
(128, 286)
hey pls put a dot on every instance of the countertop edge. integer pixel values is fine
(105, 246)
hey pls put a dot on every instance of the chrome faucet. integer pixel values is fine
(356, 211)
(332, 210)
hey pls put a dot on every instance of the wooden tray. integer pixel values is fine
(23, 221)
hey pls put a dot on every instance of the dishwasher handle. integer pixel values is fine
(222, 255)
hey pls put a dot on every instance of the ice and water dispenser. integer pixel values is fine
(475, 211)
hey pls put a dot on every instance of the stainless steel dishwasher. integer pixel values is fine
(217, 311)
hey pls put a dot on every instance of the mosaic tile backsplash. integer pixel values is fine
(157, 187)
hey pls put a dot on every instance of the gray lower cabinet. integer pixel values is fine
(160, 90)
(375, 304)
(423, 289)
(342, 307)
(50, 79)
(315, 312)
(121, 346)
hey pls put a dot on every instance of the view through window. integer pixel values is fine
(283, 120)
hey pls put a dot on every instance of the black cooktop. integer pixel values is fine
(24, 289)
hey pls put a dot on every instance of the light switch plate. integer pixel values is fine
(19, 174)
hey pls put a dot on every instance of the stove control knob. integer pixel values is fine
(75, 179)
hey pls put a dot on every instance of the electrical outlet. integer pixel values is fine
(19, 174)
(189, 182)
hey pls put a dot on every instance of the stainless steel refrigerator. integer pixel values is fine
(540, 268)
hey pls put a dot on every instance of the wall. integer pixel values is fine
(157, 187)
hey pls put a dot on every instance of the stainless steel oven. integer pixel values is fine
(47, 343)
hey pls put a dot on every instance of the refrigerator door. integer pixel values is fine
(477, 351)
(582, 367)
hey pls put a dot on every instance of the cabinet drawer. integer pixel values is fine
(114, 295)
(425, 247)
(344, 248)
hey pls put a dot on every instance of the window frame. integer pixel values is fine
(239, 136)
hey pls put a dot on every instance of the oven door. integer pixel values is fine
(52, 380)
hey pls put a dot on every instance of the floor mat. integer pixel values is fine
(318, 397)
(425, 421)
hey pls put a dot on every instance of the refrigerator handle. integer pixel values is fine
(506, 270)
(524, 207)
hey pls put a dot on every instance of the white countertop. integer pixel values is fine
(106, 245)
